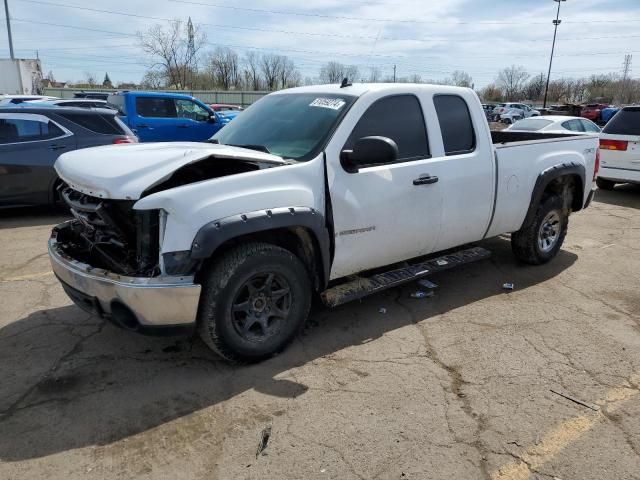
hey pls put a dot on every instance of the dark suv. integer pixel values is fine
(31, 139)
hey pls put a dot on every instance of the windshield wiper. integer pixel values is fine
(259, 148)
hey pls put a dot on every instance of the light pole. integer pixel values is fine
(6, 11)
(556, 22)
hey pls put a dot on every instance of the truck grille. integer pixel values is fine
(109, 234)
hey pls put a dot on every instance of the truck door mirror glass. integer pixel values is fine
(369, 151)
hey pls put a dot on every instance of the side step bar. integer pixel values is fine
(359, 287)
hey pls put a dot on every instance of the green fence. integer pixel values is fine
(233, 97)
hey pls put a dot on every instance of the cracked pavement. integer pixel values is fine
(453, 386)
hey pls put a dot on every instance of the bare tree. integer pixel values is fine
(252, 70)
(335, 72)
(289, 76)
(534, 90)
(491, 93)
(375, 74)
(90, 78)
(153, 80)
(460, 78)
(224, 66)
(270, 66)
(175, 49)
(511, 80)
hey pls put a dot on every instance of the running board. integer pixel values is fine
(359, 287)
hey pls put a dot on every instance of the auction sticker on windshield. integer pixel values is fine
(332, 103)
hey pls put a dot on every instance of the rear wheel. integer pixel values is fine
(604, 184)
(254, 300)
(541, 239)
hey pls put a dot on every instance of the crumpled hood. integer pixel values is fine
(125, 171)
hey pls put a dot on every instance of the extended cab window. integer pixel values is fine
(458, 135)
(156, 107)
(399, 118)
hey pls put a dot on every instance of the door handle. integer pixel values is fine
(55, 146)
(142, 125)
(183, 126)
(425, 180)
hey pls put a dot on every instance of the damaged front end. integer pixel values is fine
(111, 235)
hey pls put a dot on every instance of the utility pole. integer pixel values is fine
(394, 74)
(6, 12)
(626, 73)
(556, 22)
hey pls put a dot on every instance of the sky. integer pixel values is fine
(431, 38)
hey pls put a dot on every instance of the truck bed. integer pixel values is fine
(520, 157)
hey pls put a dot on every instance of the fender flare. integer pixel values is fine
(546, 177)
(215, 233)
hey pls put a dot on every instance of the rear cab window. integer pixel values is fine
(625, 122)
(458, 135)
(156, 107)
(400, 118)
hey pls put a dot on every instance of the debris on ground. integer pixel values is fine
(577, 400)
(264, 440)
(427, 283)
(507, 286)
(382, 310)
(422, 294)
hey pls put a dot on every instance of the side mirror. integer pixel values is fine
(212, 118)
(369, 151)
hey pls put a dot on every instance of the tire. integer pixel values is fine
(604, 184)
(540, 240)
(255, 298)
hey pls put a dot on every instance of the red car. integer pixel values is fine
(221, 107)
(593, 111)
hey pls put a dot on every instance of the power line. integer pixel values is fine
(385, 20)
(326, 53)
(291, 32)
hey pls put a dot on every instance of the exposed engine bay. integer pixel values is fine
(109, 234)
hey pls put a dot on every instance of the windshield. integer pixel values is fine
(530, 124)
(294, 126)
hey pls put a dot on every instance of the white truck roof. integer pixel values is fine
(358, 89)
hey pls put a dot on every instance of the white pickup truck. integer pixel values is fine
(337, 190)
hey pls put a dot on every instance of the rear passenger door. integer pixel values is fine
(29, 146)
(156, 120)
(464, 164)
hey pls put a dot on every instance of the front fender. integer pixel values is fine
(217, 232)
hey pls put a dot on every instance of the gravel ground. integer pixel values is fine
(457, 386)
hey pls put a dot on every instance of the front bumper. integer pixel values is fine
(144, 304)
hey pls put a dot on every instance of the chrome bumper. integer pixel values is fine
(135, 303)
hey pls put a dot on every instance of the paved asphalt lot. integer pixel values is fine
(451, 387)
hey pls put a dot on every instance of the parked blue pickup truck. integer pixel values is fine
(167, 117)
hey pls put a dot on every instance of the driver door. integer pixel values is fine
(383, 214)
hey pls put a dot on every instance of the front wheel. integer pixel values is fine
(541, 239)
(254, 300)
